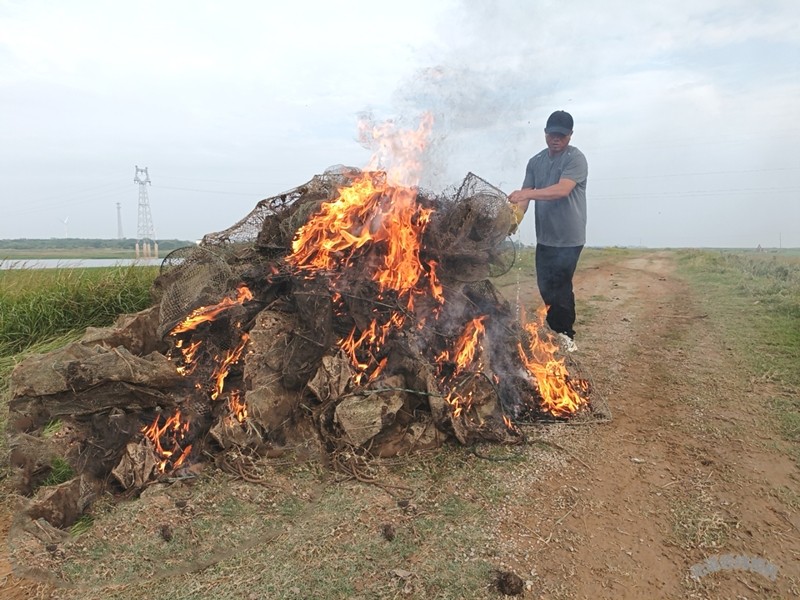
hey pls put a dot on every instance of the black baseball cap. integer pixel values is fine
(559, 122)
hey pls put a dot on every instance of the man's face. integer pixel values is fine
(556, 142)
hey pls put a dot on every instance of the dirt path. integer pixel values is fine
(686, 470)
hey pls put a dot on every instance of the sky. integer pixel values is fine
(688, 111)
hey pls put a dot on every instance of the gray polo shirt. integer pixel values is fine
(559, 222)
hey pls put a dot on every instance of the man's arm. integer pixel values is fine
(551, 192)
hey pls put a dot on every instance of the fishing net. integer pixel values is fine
(468, 236)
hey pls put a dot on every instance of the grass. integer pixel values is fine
(303, 535)
(38, 305)
(697, 526)
(696, 521)
(82, 525)
(754, 298)
(60, 471)
(45, 309)
(12, 254)
(51, 428)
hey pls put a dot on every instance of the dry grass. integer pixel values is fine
(304, 533)
(697, 522)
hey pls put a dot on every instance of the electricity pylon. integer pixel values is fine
(145, 231)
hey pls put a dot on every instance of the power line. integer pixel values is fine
(58, 200)
(78, 191)
(194, 179)
(689, 140)
(695, 173)
(166, 187)
(60, 203)
(689, 193)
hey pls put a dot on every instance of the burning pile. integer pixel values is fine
(354, 311)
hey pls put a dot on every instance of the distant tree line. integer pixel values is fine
(80, 243)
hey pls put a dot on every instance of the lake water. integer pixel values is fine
(77, 263)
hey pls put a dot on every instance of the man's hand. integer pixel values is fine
(519, 204)
(520, 200)
(522, 197)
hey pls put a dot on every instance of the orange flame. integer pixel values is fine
(237, 406)
(459, 403)
(189, 353)
(466, 345)
(562, 395)
(209, 313)
(396, 151)
(174, 429)
(454, 400)
(367, 216)
(377, 213)
(224, 367)
(375, 222)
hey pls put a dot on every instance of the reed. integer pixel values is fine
(39, 305)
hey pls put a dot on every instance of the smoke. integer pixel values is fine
(473, 119)
(489, 90)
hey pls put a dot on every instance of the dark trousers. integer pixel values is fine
(554, 270)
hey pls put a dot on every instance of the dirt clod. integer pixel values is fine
(388, 531)
(166, 532)
(508, 583)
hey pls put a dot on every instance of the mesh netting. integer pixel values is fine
(467, 236)
(190, 276)
(472, 231)
(200, 275)
(600, 410)
(302, 199)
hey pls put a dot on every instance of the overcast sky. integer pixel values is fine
(688, 110)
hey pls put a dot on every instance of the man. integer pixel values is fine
(555, 180)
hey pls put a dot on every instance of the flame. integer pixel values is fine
(460, 404)
(188, 354)
(562, 395)
(466, 345)
(456, 402)
(167, 436)
(372, 217)
(237, 406)
(224, 366)
(463, 355)
(377, 214)
(367, 345)
(174, 429)
(379, 369)
(209, 313)
(376, 223)
(395, 150)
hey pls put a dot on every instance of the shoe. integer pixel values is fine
(567, 343)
